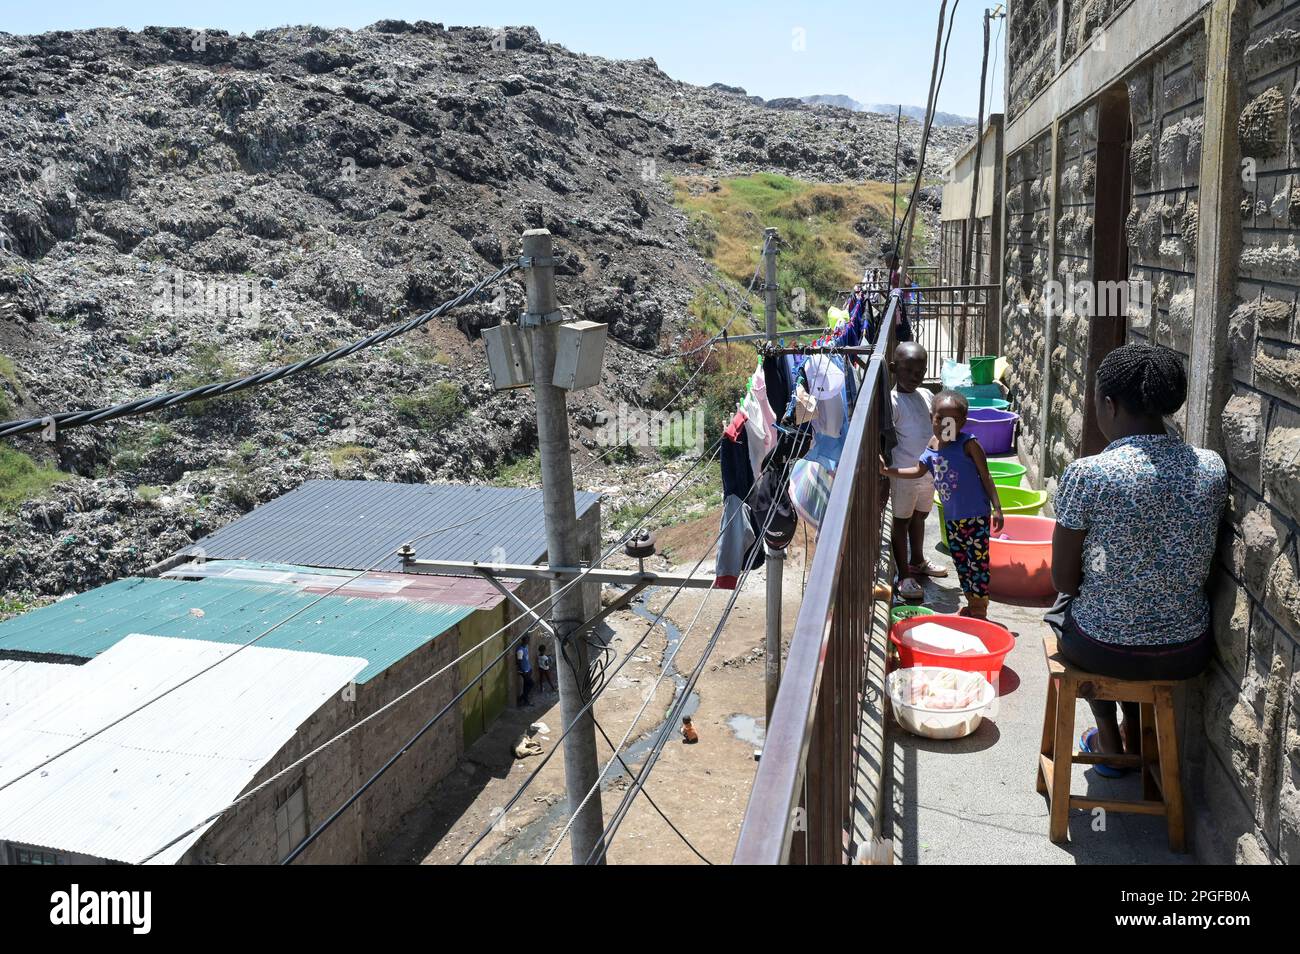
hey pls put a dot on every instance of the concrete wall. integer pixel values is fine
(1212, 227)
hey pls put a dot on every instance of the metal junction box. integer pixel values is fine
(579, 354)
(510, 356)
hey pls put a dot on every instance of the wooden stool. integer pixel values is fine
(1162, 792)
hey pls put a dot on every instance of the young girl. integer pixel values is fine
(961, 476)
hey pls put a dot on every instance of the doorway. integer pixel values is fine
(1113, 192)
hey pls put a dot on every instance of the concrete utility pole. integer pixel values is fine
(775, 563)
(909, 221)
(580, 766)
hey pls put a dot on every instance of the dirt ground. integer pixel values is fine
(703, 788)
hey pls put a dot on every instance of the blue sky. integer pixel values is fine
(872, 50)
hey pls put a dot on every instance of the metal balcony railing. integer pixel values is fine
(801, 807)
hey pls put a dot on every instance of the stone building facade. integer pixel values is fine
(1154, 146)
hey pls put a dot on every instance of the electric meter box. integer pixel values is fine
(579, 354)
(510, 356)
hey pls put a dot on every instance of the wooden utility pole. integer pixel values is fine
(581, 774)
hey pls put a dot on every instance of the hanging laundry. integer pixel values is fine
(737, 546)
(805, 405)
(826, 383)
(736, 427)
(779, 386)
(810, 490)
(760, 419)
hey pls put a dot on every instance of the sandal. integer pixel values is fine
(929, 568)
(1087, 741)
(909, 589)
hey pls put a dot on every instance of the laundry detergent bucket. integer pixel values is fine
(981, 368)
(994, 429)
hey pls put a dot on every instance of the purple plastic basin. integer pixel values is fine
(994, 429)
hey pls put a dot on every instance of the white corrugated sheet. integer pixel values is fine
(22, 681)
(150, 775)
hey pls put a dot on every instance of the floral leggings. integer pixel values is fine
(968, 542)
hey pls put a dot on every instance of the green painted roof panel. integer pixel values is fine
(381, 631)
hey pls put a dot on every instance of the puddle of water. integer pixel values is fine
(749, 729)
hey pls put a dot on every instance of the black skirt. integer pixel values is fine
(1161, 661)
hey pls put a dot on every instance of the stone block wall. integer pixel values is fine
(1075, 198)
(1166, 101)
(1252, 712)
(1031, 51)
(1083, 20)
(1026, 268)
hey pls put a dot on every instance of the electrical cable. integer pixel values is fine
(587, 706)
(601, 848)
(69, 419)
(539, 606)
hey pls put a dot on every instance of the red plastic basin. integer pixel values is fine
(996, 639)
(1020, 567)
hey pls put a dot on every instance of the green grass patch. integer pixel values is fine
(21, 478)
(520, 471)
(821, 251)
(433, 410)
(341, 457)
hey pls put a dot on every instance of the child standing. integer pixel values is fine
(910, 405)
(545, 679)
(970, 501)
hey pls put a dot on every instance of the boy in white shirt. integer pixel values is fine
(913, 499)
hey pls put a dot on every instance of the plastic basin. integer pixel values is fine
(1006, 473)
(996, 403)
(1018, 501)
(996, 639)
(1020, 566)
(993, 428)
(936, 723)
(907, 612)
(983, 391)
(981, 368)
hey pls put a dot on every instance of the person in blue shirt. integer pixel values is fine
(1136, 527)
(971, 509)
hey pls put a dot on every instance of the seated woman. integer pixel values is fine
(1135, 534)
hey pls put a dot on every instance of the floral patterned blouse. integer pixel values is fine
(1151, 506)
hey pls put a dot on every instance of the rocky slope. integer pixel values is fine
(181, 206)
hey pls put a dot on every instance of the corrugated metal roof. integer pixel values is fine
(131, 789)
(451, 590)
(381, 631)
(19, 679)
(360, 524)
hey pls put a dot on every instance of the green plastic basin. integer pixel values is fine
(1013, 499)
(1006, 473)
(998, 404)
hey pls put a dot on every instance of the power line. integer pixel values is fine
(334, 816)
(589, 704)
(69, 419)
(680, 702)
(407, 693)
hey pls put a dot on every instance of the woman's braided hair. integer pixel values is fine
(1145, 379)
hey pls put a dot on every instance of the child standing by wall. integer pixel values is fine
(911, 409)
(970, 501)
